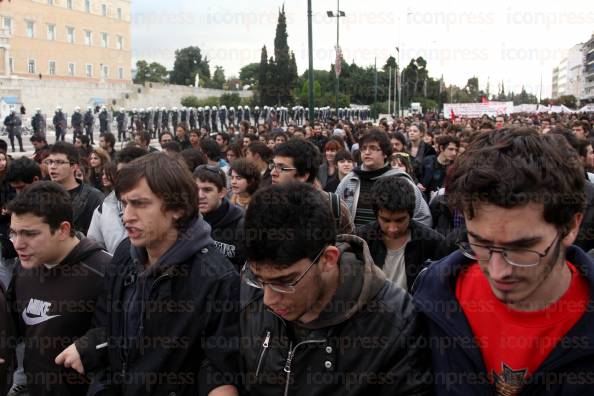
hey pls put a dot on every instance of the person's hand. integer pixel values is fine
(421, 187)
(70, 358)
(224, 390)
(1, 360)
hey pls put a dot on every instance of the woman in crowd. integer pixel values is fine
(344, 163)
(418, 149)
(402, 162)
(233, 153)
(327, 173)
(98, 161)
(245, 180)
(182, 136)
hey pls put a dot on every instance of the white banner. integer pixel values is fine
(476, 110)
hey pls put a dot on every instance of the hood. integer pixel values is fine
(85, 248)
(360, 281)
(224, 216)
(195, 238)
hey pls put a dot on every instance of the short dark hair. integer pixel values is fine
(165, 133)
(579, 145)
(379, 136)
(168, 179)
(47, 200)
(67, 149)
(306, 157)
(110, 138)
(343, 155)
(286, 223)
(193, 158)
(258, 147)
(211, 174)
(24, 170)
(36, 138)
(516, 166)
(129, 154)
(445, 140)
(211, 149)
(400, 137)
(393, 193)
(144, 136)
(248, 171)
(3, 145)
(172, 146)
(224, 135)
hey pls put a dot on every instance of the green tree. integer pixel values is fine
(567, 100)
(188, 63)
(472, 89)
(263, 78)
(153, 72)
(249, 74)
(282, 77)
(230, 100)
(218, 78)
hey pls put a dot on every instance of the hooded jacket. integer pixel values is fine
(52, 307)
(225, 222)
(367, 341)
(172, 327)
(350, 186)
(106, 225)
(458, 366)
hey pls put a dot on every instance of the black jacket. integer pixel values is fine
(425, 244)
(57, 306)
(458, 366)
(367, 341)
(226, 222)
(7, 344)
(85, 200)
(585, 238)
(172, 327)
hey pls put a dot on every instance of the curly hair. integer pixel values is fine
(247, 170)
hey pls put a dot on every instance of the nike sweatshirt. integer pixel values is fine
(52, 307)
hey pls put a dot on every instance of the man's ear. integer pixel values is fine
(573, 229)
(303, 178)
(64, 230)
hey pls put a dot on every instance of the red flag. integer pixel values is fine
(484, 99)
(452, 115)
(338, 62)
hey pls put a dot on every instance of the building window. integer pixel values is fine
(7, 24)
(119, 13)
(105, 71)
(52, 68)
(88, 5)
(104, 9)
(121, 73)
(71, 69)
(88, 37)
(31, 66)
(11, 65)
(30, 29)
(69, 4)
(120, 43)
(70, 34)
(104, 40)
(89, 70)
(51, 32)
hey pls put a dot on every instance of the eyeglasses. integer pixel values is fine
(250, 279)
(56, 162)
(280, 168)
(515, 257)
(371, 148)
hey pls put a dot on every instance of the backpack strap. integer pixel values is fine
(335, 207)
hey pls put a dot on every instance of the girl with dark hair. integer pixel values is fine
(234, 152)
(98, 161)
(245, 180)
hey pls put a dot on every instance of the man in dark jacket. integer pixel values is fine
(172, 298)
(398, 244)
(224, 218)
(89, 121)
(62, 163)
(310, 298)
(508, 313)
(38, 123)
(77, 124)
(54, 291)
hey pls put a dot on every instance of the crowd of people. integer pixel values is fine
(413, 256)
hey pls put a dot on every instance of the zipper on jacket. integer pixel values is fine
(290, 357)
(264, 350)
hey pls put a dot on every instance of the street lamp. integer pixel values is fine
(339, 14)
(398, 81)
(310, 82)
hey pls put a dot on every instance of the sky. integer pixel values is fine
(516, 42)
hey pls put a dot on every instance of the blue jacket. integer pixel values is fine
(458, 366)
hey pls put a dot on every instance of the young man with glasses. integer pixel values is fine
(355, 188)
(510, 309)
(318, 317)
(62, 164)
(300, 160)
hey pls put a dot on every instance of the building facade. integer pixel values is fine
(588, 86)
(76, 40)
(568, 75)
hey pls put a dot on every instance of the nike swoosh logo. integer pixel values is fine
(35, 321)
